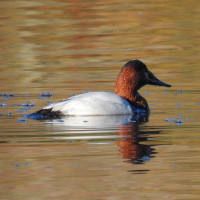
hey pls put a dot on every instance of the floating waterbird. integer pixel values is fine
(125, 101)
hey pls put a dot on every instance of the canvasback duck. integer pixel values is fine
(126, 99)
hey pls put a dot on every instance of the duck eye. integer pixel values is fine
(146, 75)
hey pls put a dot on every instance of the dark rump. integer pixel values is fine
(45, 114)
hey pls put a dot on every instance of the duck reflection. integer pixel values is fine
(132, 148)
(128, 128)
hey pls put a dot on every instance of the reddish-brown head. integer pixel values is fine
(132, 77)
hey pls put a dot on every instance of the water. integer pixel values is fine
(53, 49)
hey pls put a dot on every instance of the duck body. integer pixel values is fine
(94, 103)
(125, 101)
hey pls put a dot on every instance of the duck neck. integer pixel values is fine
(134, 99)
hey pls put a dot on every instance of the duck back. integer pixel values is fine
(92, 103)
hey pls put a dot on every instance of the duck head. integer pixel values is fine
(132, 77)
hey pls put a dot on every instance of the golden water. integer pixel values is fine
(66, 47)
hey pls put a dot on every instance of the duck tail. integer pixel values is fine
(44, 114)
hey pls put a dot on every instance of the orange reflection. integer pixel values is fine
(130, 147)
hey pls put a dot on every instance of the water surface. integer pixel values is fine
(53, 49)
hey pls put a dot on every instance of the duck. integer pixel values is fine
(125, 101)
